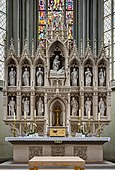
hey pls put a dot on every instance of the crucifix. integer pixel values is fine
(57, 111)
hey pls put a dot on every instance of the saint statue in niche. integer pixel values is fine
(74, 77)
(12, 77)
(56, 64)
(26, 103)
(87, 106)
(40, 107)
(101, 107)
(74, 105)
(101, 77)
(39, 75)
(11, 106)
(88, 76)
(25, 77)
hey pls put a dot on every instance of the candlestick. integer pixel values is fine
(14, 116)
(24, 114)
(99, 116)
(99, 133)
(79, 130)
(89, 114)
(79, 112)
(34, 113)
(14, 125)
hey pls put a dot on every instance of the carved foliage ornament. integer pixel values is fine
(80, 151)
(35, 151)
(57, 150)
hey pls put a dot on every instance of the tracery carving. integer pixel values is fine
(57, 150)
(35, 151)
(80, 151)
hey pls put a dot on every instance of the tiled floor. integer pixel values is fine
(9, 165)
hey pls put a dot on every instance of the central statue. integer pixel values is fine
(56, 71)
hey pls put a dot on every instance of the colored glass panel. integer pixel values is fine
(69, 4)
(70, 31)
(42, 15)
(56, 19)
(69, 17)
(56, 4)
(41, 32)
(42, 5)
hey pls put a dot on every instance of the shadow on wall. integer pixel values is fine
(109, 148)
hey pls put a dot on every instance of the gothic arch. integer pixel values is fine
(11, 59)
(60, 105)
(75, 61)
(89, 61)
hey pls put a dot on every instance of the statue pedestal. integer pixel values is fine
(88, 148)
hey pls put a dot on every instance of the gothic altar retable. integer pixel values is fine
(60, 95)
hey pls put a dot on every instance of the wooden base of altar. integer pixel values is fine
(88, 148)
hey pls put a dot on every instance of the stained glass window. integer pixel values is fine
(2, 35)
(109, 32)
(57, 11)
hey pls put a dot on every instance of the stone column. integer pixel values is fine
(88, 19)
(84, 24)
(81, 100)
(32, 104)
(108, 111)
(94, 22)
(5, 105)
(68, 117)
(95, 105)
(18, 108)
(81, 77)
(33, 79)
(63, 118)
(46, 115)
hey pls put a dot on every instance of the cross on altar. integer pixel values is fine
(57, 115)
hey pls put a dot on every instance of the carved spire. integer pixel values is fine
(18, 48)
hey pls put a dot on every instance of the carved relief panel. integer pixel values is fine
(57, 150)
(35, 151)
(80, 151)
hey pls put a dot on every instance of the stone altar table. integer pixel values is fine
(25, 148)
(77, 162)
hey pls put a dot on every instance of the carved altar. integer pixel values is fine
(86, 148)
(56, 87)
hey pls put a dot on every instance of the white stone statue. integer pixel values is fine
(25, 77)
(74, 77)
(11, 106)
(40, 107)
(74, 105)
(26, 105)
(56, 71)
(87, 106)
(101, 107)
(56, 63)
(101, 77)
(88, 76)
(12, 77)
(39, 75)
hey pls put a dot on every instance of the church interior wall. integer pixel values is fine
(5, 147)
(82, 33)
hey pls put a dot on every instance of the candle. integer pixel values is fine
(79, 112)
(89, 114)
(99, 116)
(34, 113)
(24, 114)
(14, 116)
